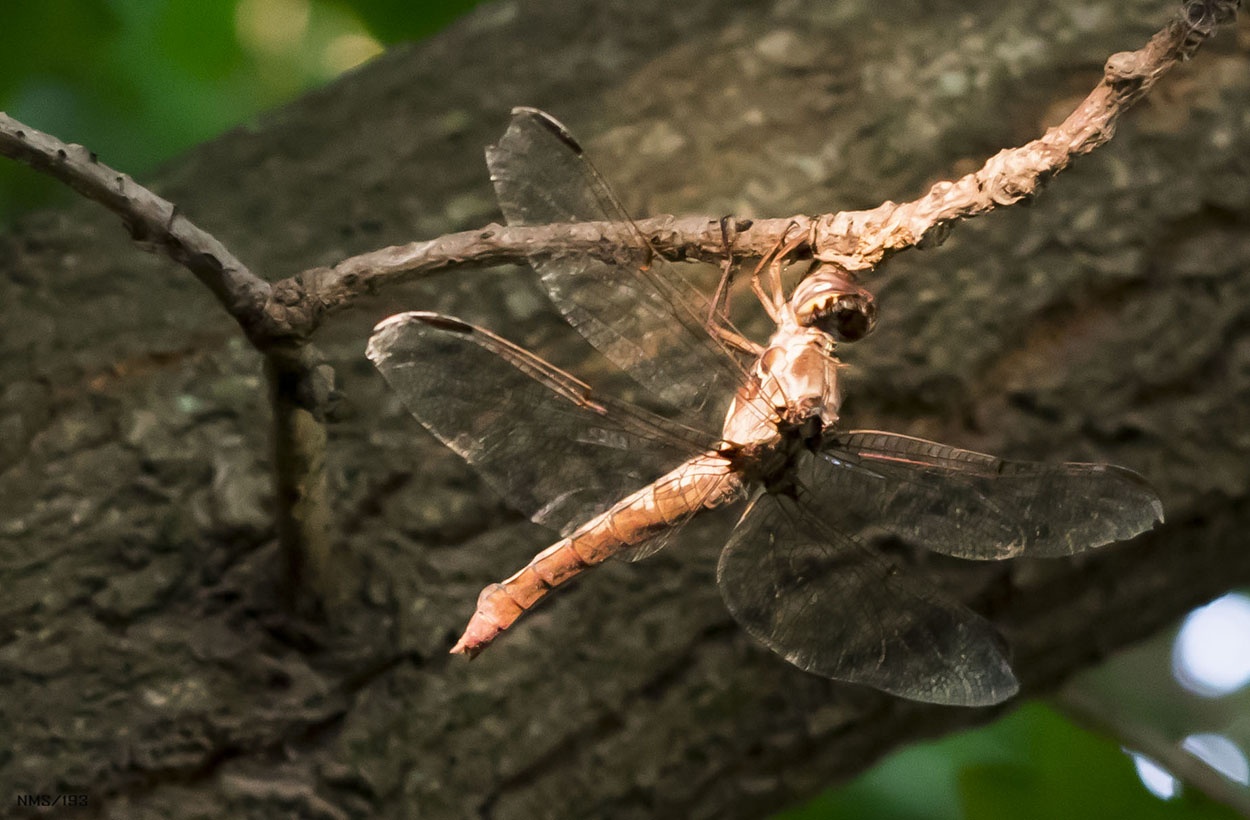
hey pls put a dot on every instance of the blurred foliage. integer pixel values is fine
(138, 81)
(1031, 765)
(394, 21)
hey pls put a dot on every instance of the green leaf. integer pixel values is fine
(1030, 765)
(998, 790)
(395, 21)
(200, 38)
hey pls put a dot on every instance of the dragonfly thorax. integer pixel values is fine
(772, 463)
(794, 379)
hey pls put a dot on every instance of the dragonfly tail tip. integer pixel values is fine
(464, 647)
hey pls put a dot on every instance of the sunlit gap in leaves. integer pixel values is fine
(1211, 656)
(1211, 659)
(1157, 780)
(273, 27)
(323, 37)
(1221, 754)
(1217, 751)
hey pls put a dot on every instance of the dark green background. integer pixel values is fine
(139, 80)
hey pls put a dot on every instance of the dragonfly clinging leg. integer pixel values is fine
(717, 323)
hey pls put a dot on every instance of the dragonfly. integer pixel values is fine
(741, 423)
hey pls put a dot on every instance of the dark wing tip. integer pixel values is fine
(1142, 487)
(383, 336)
(551, 124)
(437, 320)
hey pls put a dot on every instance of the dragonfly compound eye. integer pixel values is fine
(852, 318)
(847, 317)
(830, 301)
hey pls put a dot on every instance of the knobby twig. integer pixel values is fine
(153, 222)
(856, 241)
(301, 302)
(279, 318)
(861, 240)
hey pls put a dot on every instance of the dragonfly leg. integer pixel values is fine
(775, 302)
(757, 287)
(717, 308)
(736, 340)
(780, 260)
(717, 323)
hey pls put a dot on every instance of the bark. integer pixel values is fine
(145, 654)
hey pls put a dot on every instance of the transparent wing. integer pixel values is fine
(972, 505)
(626, 301)
(536, 434)
(702, 483)
(830, 606)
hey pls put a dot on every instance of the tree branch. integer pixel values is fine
(1099, 715)
(861, 240)
(154, 223)
(278, 319)
(857, 241)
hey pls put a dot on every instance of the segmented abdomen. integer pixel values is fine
(700, 483)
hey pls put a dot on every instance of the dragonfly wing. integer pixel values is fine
(972, 505)
(703, 495)
(539, 437)
(625, 300)
(830, 606)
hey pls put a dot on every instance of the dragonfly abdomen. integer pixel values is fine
(702, 482)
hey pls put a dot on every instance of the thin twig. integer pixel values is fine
(861, 240)
(298, 304)
(857, 241)
(1107, 718)
(300, 384)
(153, 222)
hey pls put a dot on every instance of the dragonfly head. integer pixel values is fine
(830, 301)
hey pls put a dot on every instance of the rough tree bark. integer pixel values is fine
(144, 654)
